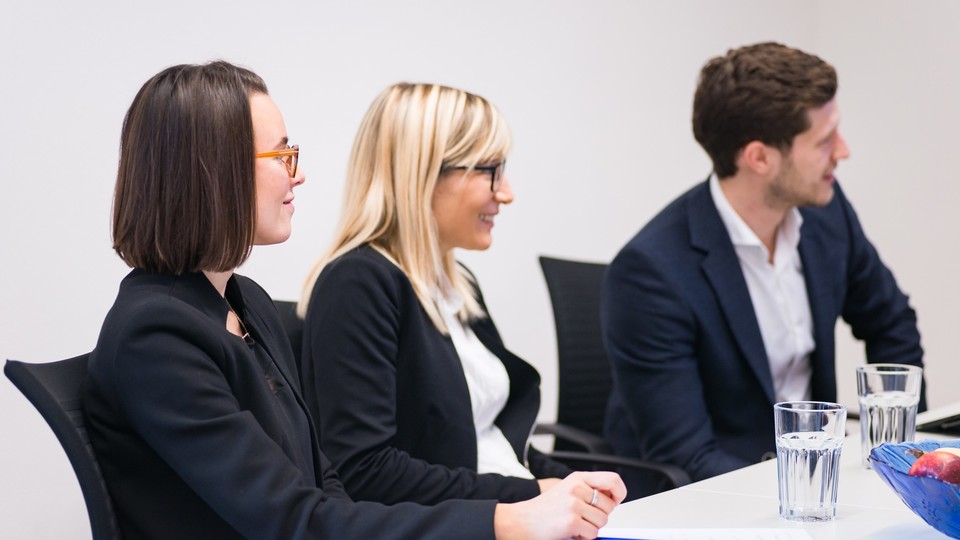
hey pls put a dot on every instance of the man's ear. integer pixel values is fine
(759, 158)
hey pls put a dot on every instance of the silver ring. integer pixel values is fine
(596, 497)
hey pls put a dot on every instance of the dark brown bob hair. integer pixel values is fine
(760, 93)
(185, 198)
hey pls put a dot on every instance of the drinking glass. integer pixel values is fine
(889, 394)
(809, 438)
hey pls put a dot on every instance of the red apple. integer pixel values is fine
(942, 464)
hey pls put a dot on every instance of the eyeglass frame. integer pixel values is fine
(496, 173)
(292, 152)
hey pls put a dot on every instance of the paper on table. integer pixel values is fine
(944, 419)
(611, 533)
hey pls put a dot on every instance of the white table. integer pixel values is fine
(747, 498)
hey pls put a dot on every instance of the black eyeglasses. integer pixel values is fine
(289, 157)
(496, 173)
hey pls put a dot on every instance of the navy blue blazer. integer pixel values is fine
(390, 396)
(692, 385)
(200, 434)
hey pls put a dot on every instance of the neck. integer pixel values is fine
(748, 197)
(219, 280)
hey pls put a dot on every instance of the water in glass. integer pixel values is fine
(807, 473)
(886, 417)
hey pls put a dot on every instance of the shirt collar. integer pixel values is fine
(741, 234)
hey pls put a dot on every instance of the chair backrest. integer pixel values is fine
(292, 324)
(584, 369)
(55, 389)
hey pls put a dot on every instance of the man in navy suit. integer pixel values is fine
(725, 303)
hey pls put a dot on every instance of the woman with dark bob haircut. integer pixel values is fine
(192, 400)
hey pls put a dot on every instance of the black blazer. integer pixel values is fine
(201, 435)
(692, 385)
(389, 394)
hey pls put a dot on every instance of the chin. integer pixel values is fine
(277, 237)
(484, 244)
(818, 198)
(826, 196)
(478, 245)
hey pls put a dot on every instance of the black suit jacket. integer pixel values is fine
(199, 437)
(389, 394)
(692, 385)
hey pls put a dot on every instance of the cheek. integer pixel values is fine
(826, 153)
(446, 206)
(264, 201)
(437, 209)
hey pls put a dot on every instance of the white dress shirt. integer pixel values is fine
(489, 387)
(779, 296)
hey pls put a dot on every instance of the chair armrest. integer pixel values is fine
(588, 441)
(675, 475)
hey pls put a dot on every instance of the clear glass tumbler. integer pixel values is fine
(809, 439)
(889, 394)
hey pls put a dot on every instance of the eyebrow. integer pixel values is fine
(833, 130)
(283, 142)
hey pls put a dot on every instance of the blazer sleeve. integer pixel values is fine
(877, 311)
(353, 323)
(651, 338)
(169, 385)
(543, 467)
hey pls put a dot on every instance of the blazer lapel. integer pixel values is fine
(820, 259)
(259, 327)
(722, 270)
(519, 413)
(256, 322)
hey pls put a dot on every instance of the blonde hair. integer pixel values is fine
(409, 136)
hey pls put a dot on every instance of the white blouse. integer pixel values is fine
(489, 387)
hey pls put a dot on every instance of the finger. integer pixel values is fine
(605, 503)
(608, 482)
(582, 492)
(594, 516)
(604, 500)
(584, 529)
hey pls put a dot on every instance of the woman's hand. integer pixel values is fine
(564, 511)
(547, 483)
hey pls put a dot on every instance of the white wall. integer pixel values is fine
(598, 95)
(900, 94)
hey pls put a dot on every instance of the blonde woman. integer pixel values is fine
(416, 396)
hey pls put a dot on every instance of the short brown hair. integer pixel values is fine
(760, 93)
(185, 198)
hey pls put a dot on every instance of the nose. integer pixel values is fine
(840, 149)
(504, 195)
(299, 178)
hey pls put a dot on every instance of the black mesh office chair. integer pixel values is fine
(585, 379)
(55, 390)
(292, 324)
